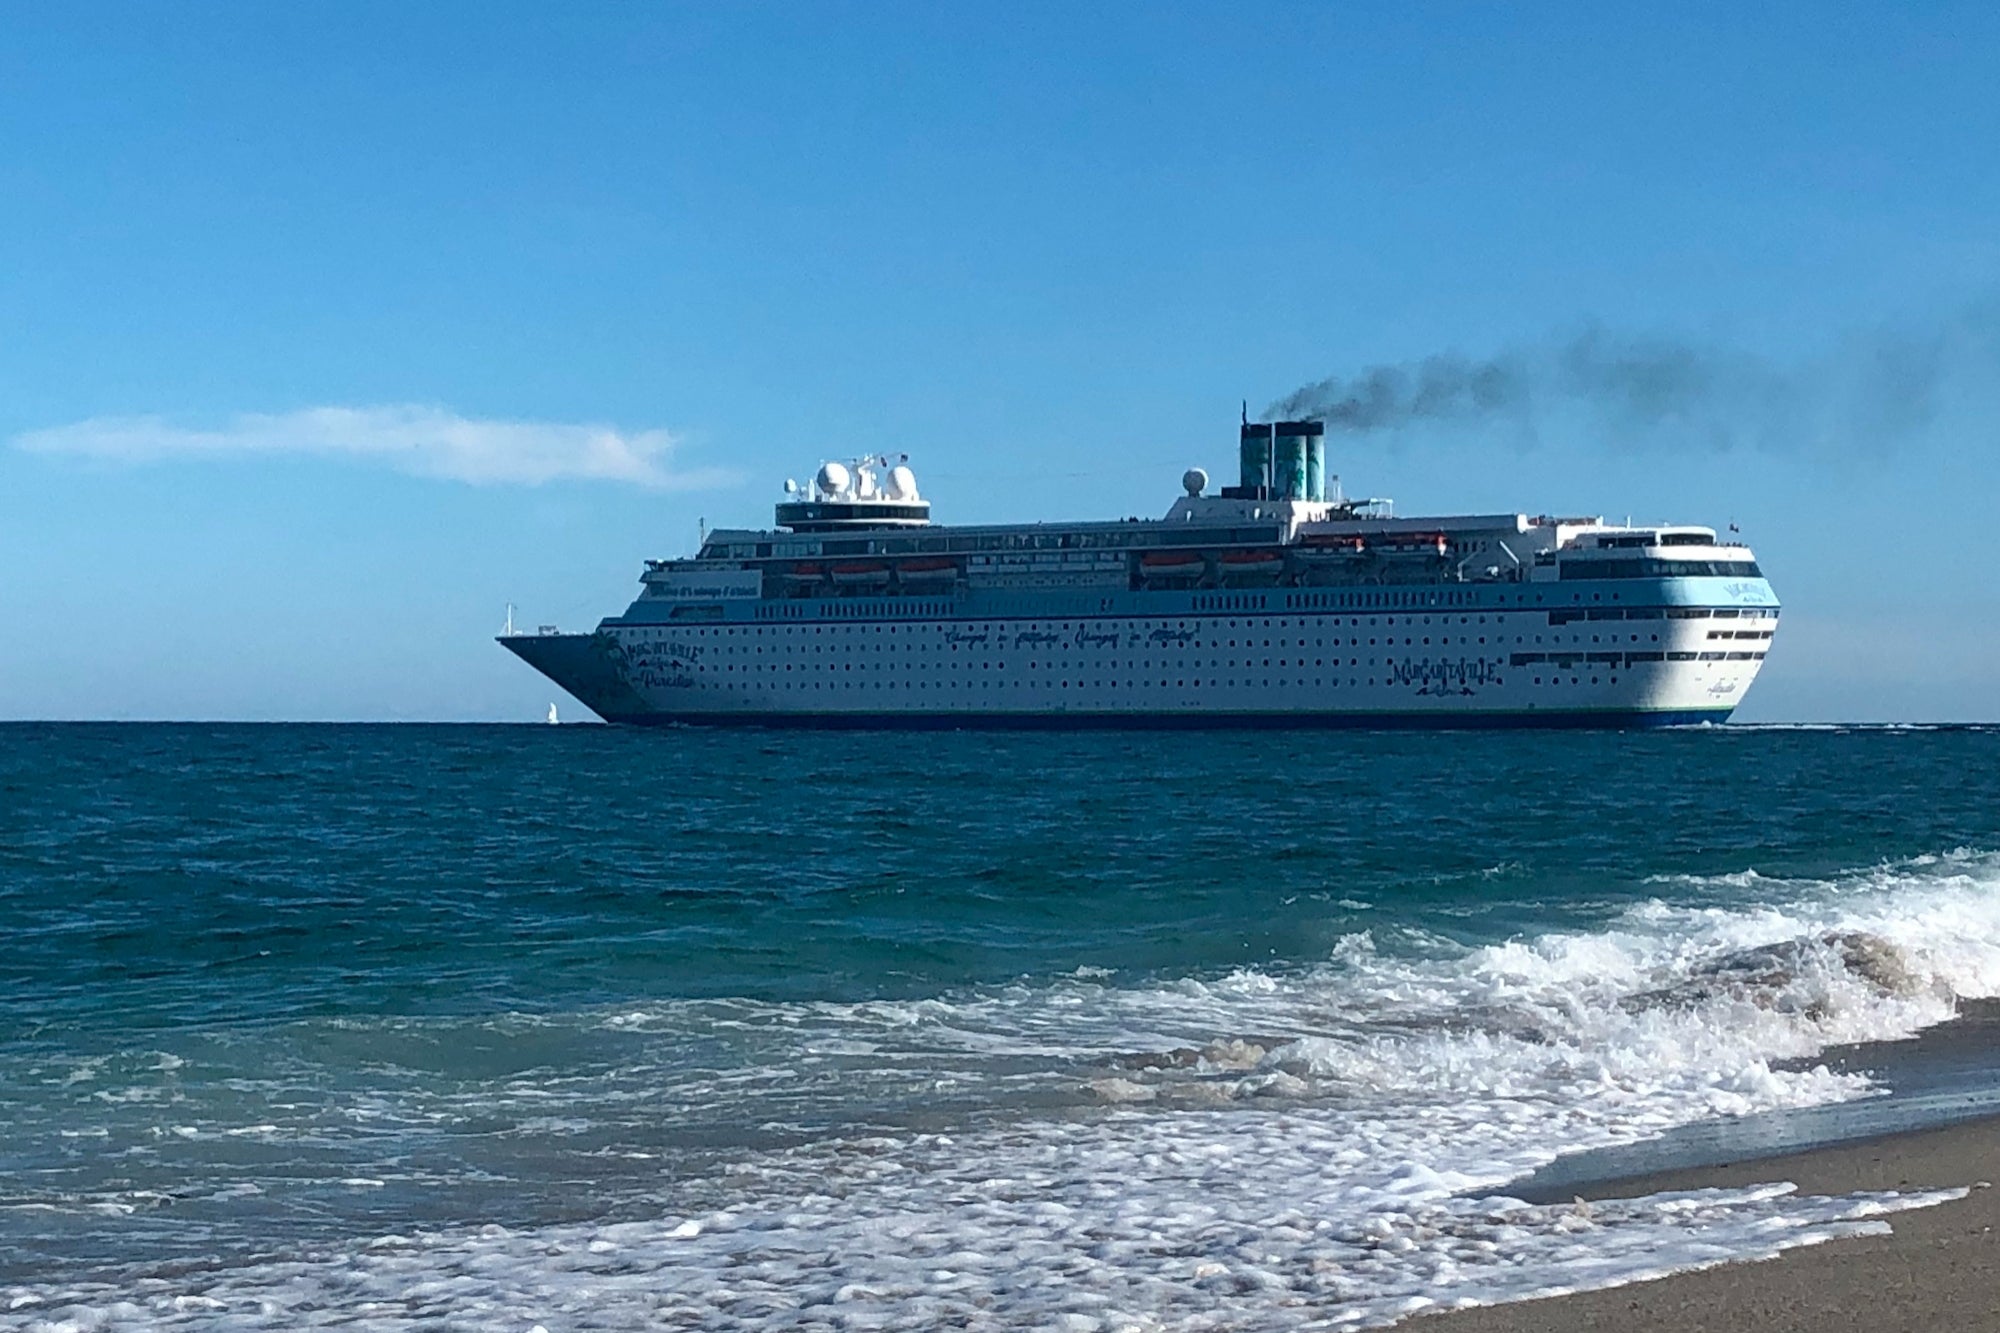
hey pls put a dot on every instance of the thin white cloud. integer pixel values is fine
(421, 441)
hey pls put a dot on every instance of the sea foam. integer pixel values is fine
(1266, 1148)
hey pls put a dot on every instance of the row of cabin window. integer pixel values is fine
(1660, 569)
(1570, 614)
(710, 612)
(1409, 641)
(1318, 682)
(1567, 660)
(1353, 682)
(1109, 540)
(1059, 625)
(1560, 659)
(1344, 600)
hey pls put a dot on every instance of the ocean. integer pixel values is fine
(413, 1027)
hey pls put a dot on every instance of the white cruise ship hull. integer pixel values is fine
(1675, 652)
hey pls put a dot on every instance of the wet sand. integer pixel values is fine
(1939, 1272)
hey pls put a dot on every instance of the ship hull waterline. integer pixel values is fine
(574, 662)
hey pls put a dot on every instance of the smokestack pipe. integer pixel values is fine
(1255, 461)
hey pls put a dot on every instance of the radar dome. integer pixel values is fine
(902, 484)
(833, 478)
(1195, 480)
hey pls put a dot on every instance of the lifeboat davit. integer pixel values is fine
(934, 570)
(1253, 562)
(1172, 565)
(1330, 550)
(860, 574)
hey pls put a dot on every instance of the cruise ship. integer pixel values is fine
(1273, 602)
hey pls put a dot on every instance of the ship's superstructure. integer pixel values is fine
(1276, 601)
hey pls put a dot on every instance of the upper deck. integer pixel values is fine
(863, 530)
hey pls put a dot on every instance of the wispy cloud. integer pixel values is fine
(422, 441)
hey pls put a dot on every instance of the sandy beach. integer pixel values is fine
(1939, 1271)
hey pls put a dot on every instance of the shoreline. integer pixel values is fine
(1944, 1075)
(1939, 1128)
(1934, 1271)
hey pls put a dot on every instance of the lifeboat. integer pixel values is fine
(1252, 562)
(1172, 565)
(805, 573)
(1330, 550)
(860, 574)
(936, 569)
(1413, 543)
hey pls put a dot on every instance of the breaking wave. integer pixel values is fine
(1255, 1149)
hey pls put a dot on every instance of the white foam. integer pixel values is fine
(1266, 1148)
(1189, 1244)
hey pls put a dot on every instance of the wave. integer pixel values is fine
(1243, 1150)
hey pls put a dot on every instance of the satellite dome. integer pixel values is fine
(833, 478)
(902, 484)
(1195, 480)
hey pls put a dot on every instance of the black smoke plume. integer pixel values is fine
(1873, 388)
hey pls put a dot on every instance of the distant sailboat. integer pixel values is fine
(552, 715)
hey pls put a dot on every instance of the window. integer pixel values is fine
(1660, 569)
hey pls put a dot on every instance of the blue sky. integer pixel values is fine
(327, 330)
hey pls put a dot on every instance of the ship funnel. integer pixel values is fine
(1254, 475)
(1283, 460)
(1300, 451)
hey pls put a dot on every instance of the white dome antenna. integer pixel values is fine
(833, 478)
(1194, 480)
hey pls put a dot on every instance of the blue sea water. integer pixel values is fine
(493, 1027)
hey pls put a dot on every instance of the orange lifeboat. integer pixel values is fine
(1411, 543)
(935, 569)
(1325, 549)
(1252, 562)
(860, 574)
(1173, 565)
